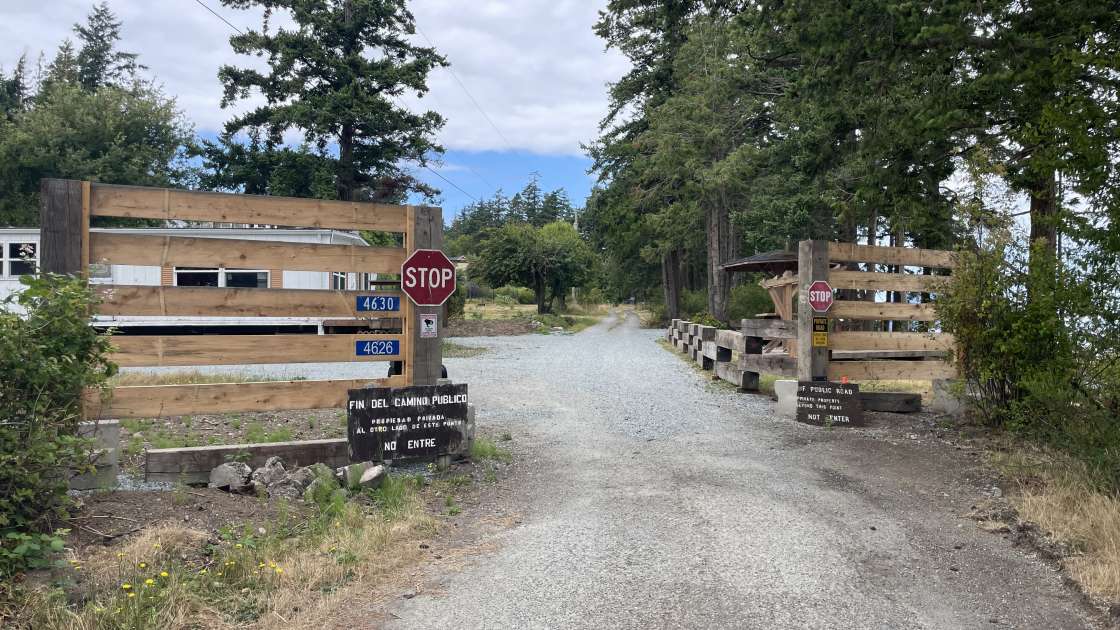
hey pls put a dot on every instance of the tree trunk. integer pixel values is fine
(543, 304)
(1044, 227)
(722, 248)
(346, 178)
(671, 282)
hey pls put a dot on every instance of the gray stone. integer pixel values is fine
(786, 392)
(232, 476)
(293, 484)
(350, 476)
(374, 477)
(270, 473)
(946, 398)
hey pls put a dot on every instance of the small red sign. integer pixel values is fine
(820, 296)
(428, 277)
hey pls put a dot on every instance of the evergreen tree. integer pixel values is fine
(335, 78)
(99, 63)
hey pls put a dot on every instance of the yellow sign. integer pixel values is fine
(820, 340)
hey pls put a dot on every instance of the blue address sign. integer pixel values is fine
(373, 303)
(377, 348)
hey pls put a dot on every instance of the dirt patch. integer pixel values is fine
(489, 327)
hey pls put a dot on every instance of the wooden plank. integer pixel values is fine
(891, 370)
(731, 339)
(425, 355)
(153, 351)
(61, 232)
(853, 309)
(891, 341)
(154, 401)
(169, 204)
(85, 228)
(779, 364)
(906, 256)
(706, 333)
(914, 283)
(189, 251)
(769, 328)
(193, 464)
(745, 381)
(220, 302)
(812, 266)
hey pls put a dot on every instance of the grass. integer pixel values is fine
(1062, 497)
(575, 319)
(452, 350)
(190, 377)
(256, 433)
(294, 573)
(483, 449)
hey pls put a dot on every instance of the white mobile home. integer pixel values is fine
(19, 255)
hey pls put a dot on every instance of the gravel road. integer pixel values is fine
(650, 498)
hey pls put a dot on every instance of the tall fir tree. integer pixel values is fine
(99, 62)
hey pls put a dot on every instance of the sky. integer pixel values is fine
(534, 67)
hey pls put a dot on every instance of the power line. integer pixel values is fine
(456, 186)
(468, 166)
(509, 145)
(217, 15)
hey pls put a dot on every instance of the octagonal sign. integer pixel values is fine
(428, 277)
(820, 296)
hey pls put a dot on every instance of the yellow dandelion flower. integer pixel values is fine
(202, 571)
(155, 546)
(238, 546)
(132, 595)
(260, 566)
(219, 574)
(272, 565)
(73, 562)
(126, 586)
(77, 567)
(163, 574)
(279, 570)
(143, 565)
(149, 581)
(120, 555)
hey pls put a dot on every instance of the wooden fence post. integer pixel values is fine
(425, 362)
(64, 224)
(812, 265)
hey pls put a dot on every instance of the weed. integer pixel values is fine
(483, 449)
(507, 437)
(454, 350)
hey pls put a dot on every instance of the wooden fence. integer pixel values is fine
(68, 246)
(784, 347)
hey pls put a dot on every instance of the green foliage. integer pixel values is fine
(530, 206)
(694, 302)
(549, 259)
(335, 77)
(748, 300)
(517, 295)
(483, 449)
(1038, 351)
(99, 63)
(457, 303)
(48, 356)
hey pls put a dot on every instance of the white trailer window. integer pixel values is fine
(18, 259)
(221, 277)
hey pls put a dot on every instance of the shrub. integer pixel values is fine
(457, 303)
(747, 301)
(520, 295)
(48, 355)
(693, 303)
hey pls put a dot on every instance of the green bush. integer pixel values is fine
(457, 303)
(747, 301)
(693, 303)
(48, 355)
(1039, 361)
(520, 295)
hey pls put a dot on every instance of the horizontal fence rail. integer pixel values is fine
(193, 350)
(243, 302)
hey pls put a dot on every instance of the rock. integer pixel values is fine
(320, 488)
(270, 473)
(557, 329)
(996, 492)
(257, 488)
(232, 477)
(350, 476)
(292, 485)
(373, 477)
(536, 324)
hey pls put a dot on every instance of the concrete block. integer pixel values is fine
(945, 399)
(106, 435)
(787, 398)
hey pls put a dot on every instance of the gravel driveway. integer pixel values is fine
(650, 498)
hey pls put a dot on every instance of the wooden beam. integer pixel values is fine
(852, 309)
(425, 354)
(744, 380)
(780, 364)
(894, 402)
(169, 204)
(216, 302)
(189, 251)
(812, 266)
(62, 229)
(731, 339)
(769, 328)
(193, 464)
(906, 256)
(868, 281)
(891, 341)
(891, 370)
(159, 351)
(157, 401)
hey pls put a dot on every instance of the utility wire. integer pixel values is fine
(433, 171)
(217, 15)
(468, 166)
(509, 145)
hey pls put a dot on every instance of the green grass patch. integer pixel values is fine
(256, 433)
(452, 350)
(483, 449)
(188, 377)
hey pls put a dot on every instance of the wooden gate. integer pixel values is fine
(68, 246)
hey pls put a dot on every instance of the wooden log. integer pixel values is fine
(906, 256)
(769, 328)
(745, 381)
(780, 364)
(238, 302)
(730, 339)
(706, 333)
(891, 341)
(135, 202)
(159, 351)
(869, 281)
(891, 370)
(716, 352)
(193, 464)
(152, 401)
(812, 266)
(425, 354)
(845, 309)
(188, 251)
(894, 402)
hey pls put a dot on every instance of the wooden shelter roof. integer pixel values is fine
(774, 262)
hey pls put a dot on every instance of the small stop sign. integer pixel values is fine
(820, 296)
(428, 277)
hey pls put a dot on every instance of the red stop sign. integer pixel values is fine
(820, 296)
(428, 277)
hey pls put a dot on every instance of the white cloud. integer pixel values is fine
(534, 66)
